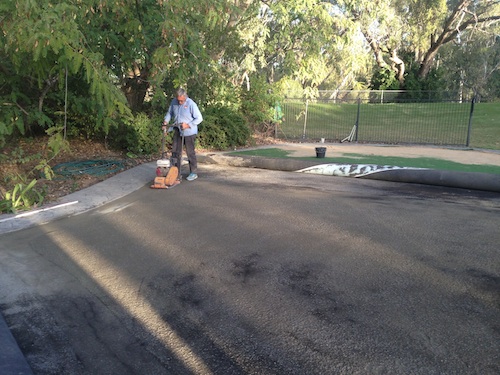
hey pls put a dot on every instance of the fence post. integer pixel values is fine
(357, 120)
(469, 128)
(305, 120)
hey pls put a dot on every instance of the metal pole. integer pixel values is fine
(305, 120)
(469, 128)
(357, 119)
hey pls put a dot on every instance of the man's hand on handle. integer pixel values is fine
(183, 126)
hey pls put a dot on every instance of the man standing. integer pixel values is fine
(186, 116)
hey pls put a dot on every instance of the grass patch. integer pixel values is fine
(486, 126)
(351, 158)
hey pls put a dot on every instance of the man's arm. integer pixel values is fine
(196, 114)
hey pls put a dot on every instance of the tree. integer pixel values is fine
(421, 27)
(43, 43)
(299, 40)
(116, 51)
(465, 15)
(382, 27)
(140, 41)
(473, 65)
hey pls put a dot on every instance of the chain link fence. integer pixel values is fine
(375, 117)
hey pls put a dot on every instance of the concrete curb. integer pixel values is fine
(455, 179)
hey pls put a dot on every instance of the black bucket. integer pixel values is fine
(320, 152)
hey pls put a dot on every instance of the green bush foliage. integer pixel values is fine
(429, 88)
(140, 135)
(257, 104)
(384, 79)
(223, 128)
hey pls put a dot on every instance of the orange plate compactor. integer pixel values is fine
(168, 171)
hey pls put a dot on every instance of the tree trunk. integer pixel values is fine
(135, 87)
(427, 62)
(375, 47)
(398, 66)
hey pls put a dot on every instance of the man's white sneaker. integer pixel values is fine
(192, 176)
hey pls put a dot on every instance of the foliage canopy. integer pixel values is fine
(84, 67)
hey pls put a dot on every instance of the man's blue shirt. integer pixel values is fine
(187, 112)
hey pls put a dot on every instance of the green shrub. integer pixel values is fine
(223, 128)
(141, 135)
(384, 79)
(429, 88)
(258, 104)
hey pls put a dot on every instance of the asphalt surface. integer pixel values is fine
(326, 298)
